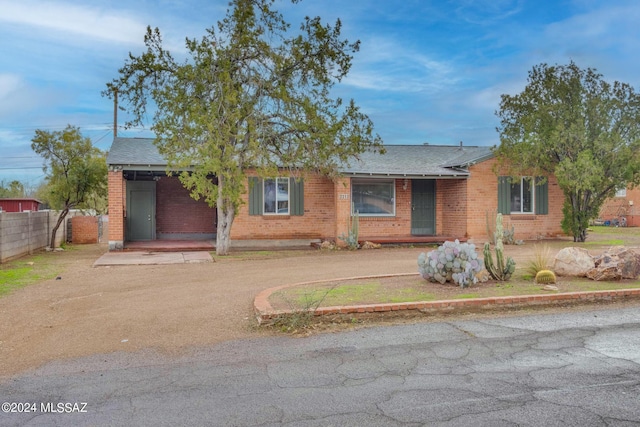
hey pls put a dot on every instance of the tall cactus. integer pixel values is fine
(500, 271)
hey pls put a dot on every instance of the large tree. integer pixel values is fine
(251, 94)
(573, 124)
(76, 171)
(12, 189)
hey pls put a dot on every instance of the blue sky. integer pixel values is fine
(427, 71)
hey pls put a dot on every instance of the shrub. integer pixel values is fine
(452, 262)
(540, 260)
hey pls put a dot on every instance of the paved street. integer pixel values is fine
(579, 369)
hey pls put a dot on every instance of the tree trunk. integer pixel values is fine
(61, 217)
(226, 215)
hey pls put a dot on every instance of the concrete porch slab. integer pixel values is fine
(151, 258)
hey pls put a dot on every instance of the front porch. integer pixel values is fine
(170, 245)
(410, 240)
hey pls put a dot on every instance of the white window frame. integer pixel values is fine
(278, 196)
(532, 188)
(365, 181)
(622, 192)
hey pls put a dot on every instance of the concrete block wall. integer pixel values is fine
(23, 233)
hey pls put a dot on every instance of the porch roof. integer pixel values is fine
(137, 153)
(447, 161)
(411, 161)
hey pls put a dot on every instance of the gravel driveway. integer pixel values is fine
(166, 308)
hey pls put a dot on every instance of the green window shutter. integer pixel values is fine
(504, 195)
(255, 196)
(296, 189)
(542, 197)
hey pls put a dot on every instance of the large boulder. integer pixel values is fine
(615, 264)
(573, 261)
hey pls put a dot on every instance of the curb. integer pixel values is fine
(265, 313)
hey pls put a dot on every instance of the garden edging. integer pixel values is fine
(265, 313)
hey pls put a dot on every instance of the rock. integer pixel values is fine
(371, 245)
(550, 288)
(327, 245)
(616, 263)
(483, 276)
(573, 261)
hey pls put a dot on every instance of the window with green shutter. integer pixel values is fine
(522, 196)
(276, 196)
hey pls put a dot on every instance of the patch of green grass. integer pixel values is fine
(348, 294)
(610, 242)
(25, 271)
(467, 296)
(603, 230)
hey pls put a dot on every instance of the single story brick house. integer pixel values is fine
(412, 192)
(623, 208)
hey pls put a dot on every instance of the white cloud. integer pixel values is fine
(386, 65)
(85, 21)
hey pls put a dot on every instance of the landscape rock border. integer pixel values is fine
(266, 314)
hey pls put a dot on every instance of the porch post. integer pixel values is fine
(342, 189)
(117, 194)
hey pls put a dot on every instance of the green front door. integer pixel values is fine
(141, 210)
(423, 207)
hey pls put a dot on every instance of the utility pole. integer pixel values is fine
(115, 112)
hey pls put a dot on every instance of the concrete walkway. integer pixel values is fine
(150, 258)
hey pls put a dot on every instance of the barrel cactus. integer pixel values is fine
(546, 277)
(452, 262)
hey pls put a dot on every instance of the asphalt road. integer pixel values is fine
(573, 369)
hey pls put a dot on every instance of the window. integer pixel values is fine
(522, 195)
(621, 192)
(276, 196)
(373, 197)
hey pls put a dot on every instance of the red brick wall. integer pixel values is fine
(627, 206)
(318, 221)
(482, 196)
(117, 197)
(452, 207)
(84, 229)
(178, 213)
(399, 225)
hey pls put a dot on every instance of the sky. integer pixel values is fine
(428, 71)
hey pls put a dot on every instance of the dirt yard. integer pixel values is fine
(167, 308)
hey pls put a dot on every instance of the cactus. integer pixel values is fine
(452, 262)
(546, 276)
(500, 271)
(351, 239)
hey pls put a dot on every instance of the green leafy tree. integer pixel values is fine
(572, 123)
(12, 190)
(75, 170)
(251, 95)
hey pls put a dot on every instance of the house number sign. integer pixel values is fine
(344, 196)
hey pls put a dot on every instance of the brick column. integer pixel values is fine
(342, 188)
(117, 195)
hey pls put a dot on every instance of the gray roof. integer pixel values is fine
(419, 161)
(135, 152)
(399, 160)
